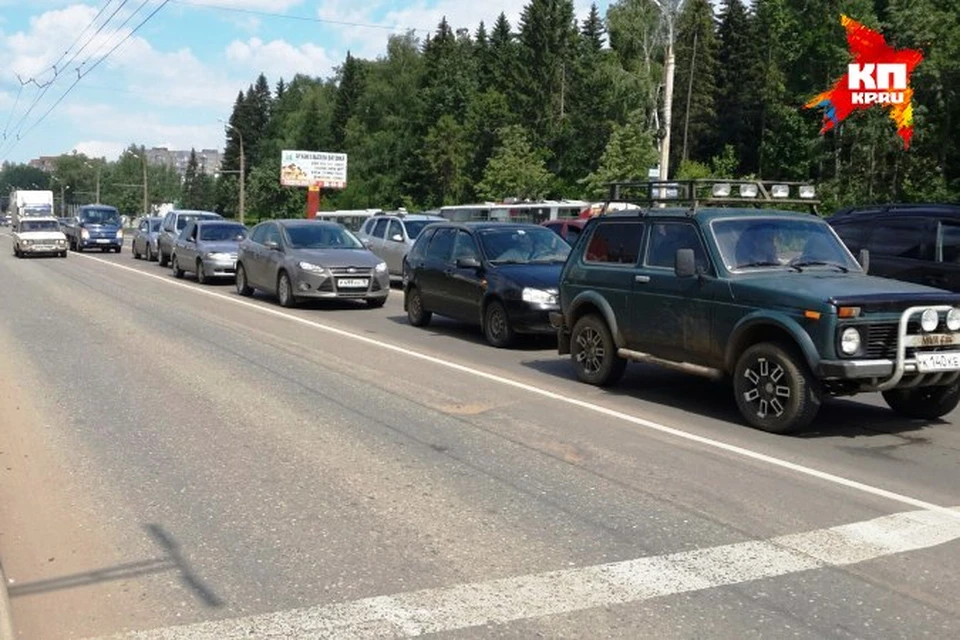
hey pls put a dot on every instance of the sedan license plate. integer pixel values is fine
(44, 247)
(943, 361)
(102, 240)
(352, 283)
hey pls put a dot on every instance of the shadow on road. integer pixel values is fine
(838, 418)
(170, 560)
(440, 326)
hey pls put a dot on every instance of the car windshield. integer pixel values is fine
(321, 236)
(40, 225)
(414, 227)
(183, 219)
(764, 243)
(101, 216)
(223, 232)
(522, 246)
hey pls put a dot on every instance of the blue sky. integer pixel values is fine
(170, 82)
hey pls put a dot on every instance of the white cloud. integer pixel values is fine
(279, 58)
(100, 149)
(115, 125)
(276, 6)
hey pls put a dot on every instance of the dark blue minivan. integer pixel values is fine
(95, 226)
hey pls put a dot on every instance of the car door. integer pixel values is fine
(608, 266)
(432, 277)
(186, 246)
(464, 285)
(671, 315)
(271, 257)
(902, 248)
(394, 246)
(140, 238)
(253, 255)
(167, 233)
(375, 239)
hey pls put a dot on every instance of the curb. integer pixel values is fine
(6, 617)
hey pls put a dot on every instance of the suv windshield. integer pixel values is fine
(757, 243)
(414, 227)
(521, 246)
(223, 232)
(321, 236)
(40, 225)
(101, 216)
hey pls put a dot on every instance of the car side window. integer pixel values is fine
(143, 226)
(168, 222)
(667, 237)
(465, 247)
(853, 234)
(272, 234)
(395, 229)
(441, 245)
(258, 233)
(900, 238)
(420, 246)
(949, 239)
(380, 228)
(615, 243)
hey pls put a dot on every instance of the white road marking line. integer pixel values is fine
(558, 592)
(523, 386)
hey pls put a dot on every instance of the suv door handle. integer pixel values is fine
(643, 279)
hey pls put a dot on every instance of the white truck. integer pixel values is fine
(30, 204)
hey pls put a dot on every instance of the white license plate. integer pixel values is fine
(943, 361)
(44, 247)
(352, 282)
(102, 240)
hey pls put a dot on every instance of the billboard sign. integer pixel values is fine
(313, 168)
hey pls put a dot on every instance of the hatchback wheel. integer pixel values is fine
(149, 253)
(201, 276)
(175, 265)
(162, 259)
(496, 325)
(594, 353)
(243, 288)
(418, 316)
(285, 291)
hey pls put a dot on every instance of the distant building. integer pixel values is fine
(208, 160)
(44, 163)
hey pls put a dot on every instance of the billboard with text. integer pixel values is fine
(309, 168)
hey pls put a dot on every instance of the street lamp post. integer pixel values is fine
(99, 167)
(243, 173)
(669, 8)
(143, 161)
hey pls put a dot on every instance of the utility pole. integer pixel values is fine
(143, 159)
(243, 171)
(669, 10)
(98, 168)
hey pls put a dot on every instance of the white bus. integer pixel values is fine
(535, 212)
(352, 219)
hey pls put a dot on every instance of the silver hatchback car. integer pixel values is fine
(301, 258)
(390, 236)
(208, 248)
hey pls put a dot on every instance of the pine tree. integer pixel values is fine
(593, 30)
(484, 58)
(516, 169)
(190, 180)
(734, 106)
(695, 86)
(504, 58)
(311, 135)
(349, 90)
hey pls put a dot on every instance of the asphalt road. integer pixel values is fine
(176, 458)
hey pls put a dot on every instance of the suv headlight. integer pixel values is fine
(539, 296)
(312, 268)
(84, 234)
(381, 268)
(850, 341)
(119, 234)
(929, 320)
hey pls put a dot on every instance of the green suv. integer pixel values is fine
(770, 300)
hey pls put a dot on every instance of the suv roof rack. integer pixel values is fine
(711, 193)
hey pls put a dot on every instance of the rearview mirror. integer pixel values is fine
(865, 260)
(468, 263)
(273, 245)
(685, 264)
(397, 237)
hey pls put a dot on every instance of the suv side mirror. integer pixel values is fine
(468, 263)
(865, 260)
(685, 264)
(397, 237)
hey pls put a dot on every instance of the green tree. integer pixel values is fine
(734, 106)
(22, 176)
(516, 169)
(694, 114)
(447, 155)
(349, 90)
(198, 187)
(629, 154)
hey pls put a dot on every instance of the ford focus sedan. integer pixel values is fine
(299, 259)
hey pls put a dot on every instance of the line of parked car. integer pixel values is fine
(772, 301)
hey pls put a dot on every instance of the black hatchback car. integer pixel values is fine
(502, 275)
(911, 242)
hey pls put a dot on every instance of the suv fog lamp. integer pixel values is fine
(779, 191)
(807, 191)
(953, 320)
(850, 341)
(748, 191)
(929, 320)
(721, 190)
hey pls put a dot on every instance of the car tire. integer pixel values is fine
(63, 254)
(593, 352)
(177, 271)
(201, 276)
(16, 251)
(774, 389)
(496, 325)
(924, 403)
(150, 255)
(416, 314)
(285, 291)
(376, 303)
(243, 288)
(133, 250)
(162, 259)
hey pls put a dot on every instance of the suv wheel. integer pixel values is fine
(774, 389)
(285, 291)
(925, 403)
(243, 287)
(418, 316)
(496, 325)
(594, 353)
